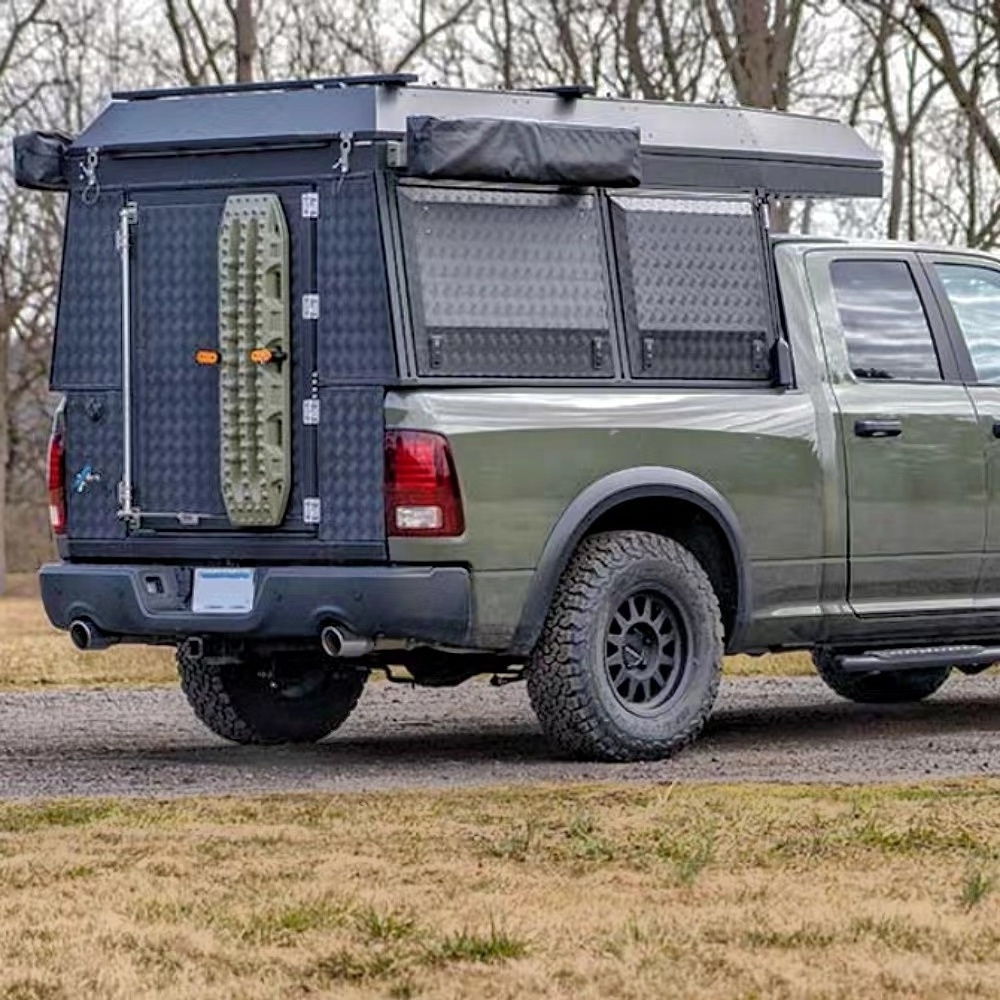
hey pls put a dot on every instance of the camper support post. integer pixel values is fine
(126, 219)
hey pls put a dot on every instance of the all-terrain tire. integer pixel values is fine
(887, 688)
(585, 691)
(270, 699)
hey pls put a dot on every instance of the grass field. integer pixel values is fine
(35, 655)
(637, 892)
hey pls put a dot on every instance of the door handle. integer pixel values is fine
(877, 428)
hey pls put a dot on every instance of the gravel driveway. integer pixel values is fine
(146, 742)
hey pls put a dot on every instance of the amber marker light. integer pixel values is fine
(262, 356)
(207, 357)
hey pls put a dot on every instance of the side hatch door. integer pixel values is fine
(222, 356)
(910, 439)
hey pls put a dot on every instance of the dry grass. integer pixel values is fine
(552, 893)
(34, 655)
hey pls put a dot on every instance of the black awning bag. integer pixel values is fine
(527, 152)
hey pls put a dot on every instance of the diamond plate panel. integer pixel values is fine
(504, 259)
(723, 354)
(177, 401)
(93, 449)
(355, 330)
(88, 327)
(351, 457)
(695, 282)
(515, 353)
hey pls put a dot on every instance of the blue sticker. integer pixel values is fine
(84, 478)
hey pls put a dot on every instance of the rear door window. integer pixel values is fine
(974, 296)
(885, 326)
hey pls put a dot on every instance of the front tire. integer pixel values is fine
(296, 698)
(891, 687)
(630, 658)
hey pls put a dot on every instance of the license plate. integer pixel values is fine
(222, 591)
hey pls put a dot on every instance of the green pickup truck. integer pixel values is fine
(361, 375)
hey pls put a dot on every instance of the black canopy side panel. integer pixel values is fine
(350, 458)
(693, 280)
(532, 152)
(94, 464)
(355, 331)
(87, 351)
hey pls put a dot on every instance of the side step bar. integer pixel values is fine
(884, 660)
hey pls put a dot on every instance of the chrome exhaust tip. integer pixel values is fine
(340, 645)
(81, 634)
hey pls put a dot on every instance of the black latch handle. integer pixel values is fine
(877, 428)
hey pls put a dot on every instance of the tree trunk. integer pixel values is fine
(246, 41)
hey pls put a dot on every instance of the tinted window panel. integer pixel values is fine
(974, 294)
(884, 323)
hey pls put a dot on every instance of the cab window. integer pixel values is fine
(884, 323)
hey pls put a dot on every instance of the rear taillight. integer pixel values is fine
(57, 478)
(422, 497)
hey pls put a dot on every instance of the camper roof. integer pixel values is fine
(685, 145)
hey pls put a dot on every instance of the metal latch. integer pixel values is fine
(648, 352)
(343, 163)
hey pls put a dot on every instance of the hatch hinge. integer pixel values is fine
(310, 412)
(312, 510)
(310, 305)
(310, 205)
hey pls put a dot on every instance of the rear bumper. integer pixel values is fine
(153, 603)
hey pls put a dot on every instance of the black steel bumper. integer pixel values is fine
(153, 603)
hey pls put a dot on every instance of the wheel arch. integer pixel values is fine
(634, 498)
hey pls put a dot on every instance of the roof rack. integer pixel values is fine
(370, 79)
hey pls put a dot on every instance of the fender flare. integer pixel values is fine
(598, 498)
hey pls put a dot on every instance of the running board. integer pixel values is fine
(884, 660)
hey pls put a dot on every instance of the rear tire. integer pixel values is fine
(630, 657)
(296, 698)
(894, 687)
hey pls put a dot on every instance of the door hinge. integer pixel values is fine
(310, 412)
(312, 510)
(310, 305)
(310, 205)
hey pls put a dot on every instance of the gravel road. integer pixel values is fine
(146, 742)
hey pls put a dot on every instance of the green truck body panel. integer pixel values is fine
(847, 538)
